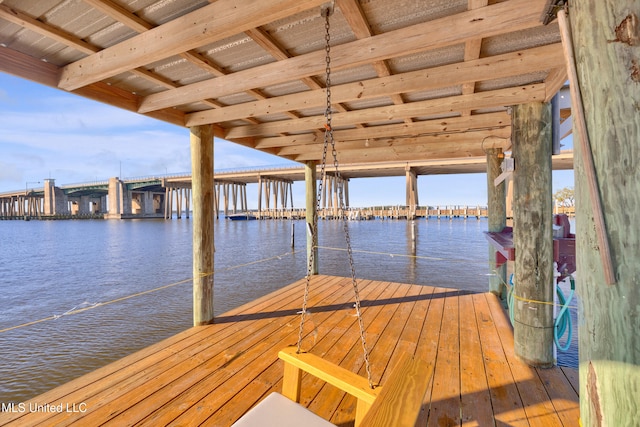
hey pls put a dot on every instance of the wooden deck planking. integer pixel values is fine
(505, 400)
(445, 397)
(537, 405)
(429, 341)
(474, 389)
(211, 375)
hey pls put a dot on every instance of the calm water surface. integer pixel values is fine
(48, 268)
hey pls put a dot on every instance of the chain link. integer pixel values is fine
(329, 139)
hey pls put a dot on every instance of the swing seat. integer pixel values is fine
(398, 403)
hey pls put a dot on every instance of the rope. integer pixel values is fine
(94, 305)
(393, 255)
(76, 310)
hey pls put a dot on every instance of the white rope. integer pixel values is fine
(80, 308)
(393, 255)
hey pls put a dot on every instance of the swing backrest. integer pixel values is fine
(398, 403)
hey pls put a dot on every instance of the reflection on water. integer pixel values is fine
(51, 267)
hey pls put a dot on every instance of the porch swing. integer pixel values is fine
(398, 403)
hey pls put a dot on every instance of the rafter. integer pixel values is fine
(139, 25)
(453, 104)
(357, 20)
(267, 43)
(67, 39)
(472, 51)
(484, 22)
(120, 14)
(505, 65)
(26, 21)
(210, 23)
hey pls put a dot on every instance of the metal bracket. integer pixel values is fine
(327, 9)
(551, 10)
(507, 166)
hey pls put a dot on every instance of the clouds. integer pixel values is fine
(47, 133)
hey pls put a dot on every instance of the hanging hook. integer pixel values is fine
(327, 9)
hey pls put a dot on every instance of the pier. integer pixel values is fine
(211, 375)
(369, 82)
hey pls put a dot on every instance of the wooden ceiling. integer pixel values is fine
(412, 80)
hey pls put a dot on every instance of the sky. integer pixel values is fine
(47, 133)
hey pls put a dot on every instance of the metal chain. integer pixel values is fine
(314, 228)
(329, 139)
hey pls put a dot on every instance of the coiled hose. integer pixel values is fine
(562, 324)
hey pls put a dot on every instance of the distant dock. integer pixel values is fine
(379, 212)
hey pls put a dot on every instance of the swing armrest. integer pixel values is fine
(398, 403)
(335, 375)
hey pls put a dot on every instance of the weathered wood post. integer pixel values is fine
(311, 213)
(606, 35)
(497, 217)
(259, 196)
(411, 190)
(203, 212)
(533, 233)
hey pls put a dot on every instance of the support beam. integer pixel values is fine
(608, 77)
(203, 212)
(533, 234)
(259, 196)
(412, 189)
(312, 214)
(497, 218)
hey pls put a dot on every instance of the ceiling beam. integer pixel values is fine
(484, 22)
(453, 104)
(27, 67)
(499, 66)
(120, 14)
(555, 81)
(208, 24)
(450, 138)
(427, 127)
(411, 152)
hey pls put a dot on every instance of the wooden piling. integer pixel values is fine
(533, 234)
(203, 211)
(311, 214)
(608, 73)
(497, 217)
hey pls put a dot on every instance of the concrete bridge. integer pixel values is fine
(161, 196)
(110, 199)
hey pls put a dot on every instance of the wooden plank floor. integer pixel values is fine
(211, 375)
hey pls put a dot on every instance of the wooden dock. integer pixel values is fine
(211, 375)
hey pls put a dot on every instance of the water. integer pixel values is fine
(49, 268)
